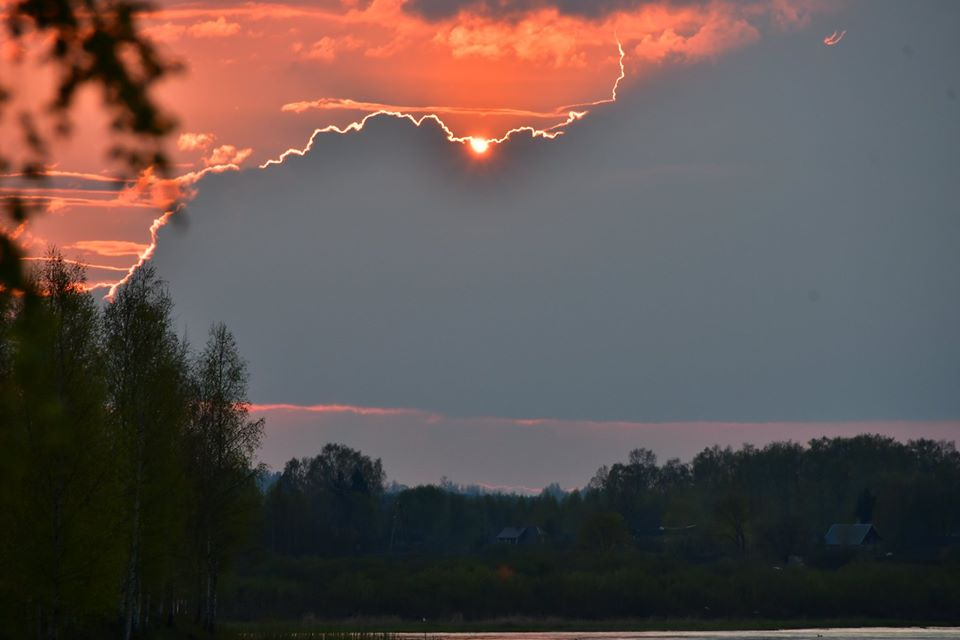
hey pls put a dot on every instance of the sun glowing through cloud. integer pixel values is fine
(569, 114)
(479, 146)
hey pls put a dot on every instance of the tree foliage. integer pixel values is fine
(326, 504)
(58, 502)
(222, 445)
(94, 43)
(106, 483)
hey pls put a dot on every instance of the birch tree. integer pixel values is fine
(223, 444)
(147, 372)
(59, 494)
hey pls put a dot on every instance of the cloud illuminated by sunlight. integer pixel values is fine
(484, 69)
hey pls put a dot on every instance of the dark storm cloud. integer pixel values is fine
(444, 9)
(729, 242)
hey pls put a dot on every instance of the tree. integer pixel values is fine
(223, 443)
(327, 504)
(147, 375)
(59, 492)
(599, 479)
(629, 488)
(866, 501)
(341, 469)
(86, 42)
(603, 531)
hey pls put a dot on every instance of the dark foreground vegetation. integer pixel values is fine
(130, 506)
(517, 589)
(126, 461)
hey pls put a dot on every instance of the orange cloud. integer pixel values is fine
(346, 104)
(335, 409)
(227, 154)
(109, 248)
(88, 265)
(544, 37)
(834, 38)
(218, 28)
(326, 48)
(708, 39)
(195, 141)
(165, 32)
(55, 173)
(172, 31)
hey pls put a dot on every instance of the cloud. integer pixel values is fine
(346, 104)
(693, 252)
(663, 261)
(218, 28)
(500, 9)
(109, 248)
(195, 141)
(421, 446)
(172, 31)
(563, 33)
(165, 32)
(732, 242)
(227, 154)
(326, 49)
(707, 40)
(339, 409)
(528, 40)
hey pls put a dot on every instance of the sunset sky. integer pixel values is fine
(619, 223)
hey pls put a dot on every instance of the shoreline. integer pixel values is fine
(562, 625)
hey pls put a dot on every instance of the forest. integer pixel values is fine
(132, 505)
(127, 460)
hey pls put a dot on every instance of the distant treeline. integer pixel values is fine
(773, 502)
(126, 461)
(733, 533)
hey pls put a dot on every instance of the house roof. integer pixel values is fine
(515, 533)
(849, 534)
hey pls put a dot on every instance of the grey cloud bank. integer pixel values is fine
(444, 9)
(771, 237)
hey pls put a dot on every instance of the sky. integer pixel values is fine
(579, 228)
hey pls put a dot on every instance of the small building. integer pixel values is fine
(852, 535)
(521, 535)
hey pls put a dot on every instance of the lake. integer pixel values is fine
(878, 633)
(862, 633)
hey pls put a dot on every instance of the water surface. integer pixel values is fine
(873, 633)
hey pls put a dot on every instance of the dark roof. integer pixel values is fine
(516, 533)
(851, 534)
(510, 533)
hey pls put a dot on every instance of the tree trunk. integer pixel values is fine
(208, 598)
(133, 563)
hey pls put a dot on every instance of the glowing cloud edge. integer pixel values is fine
(572, 113)
(569, 113)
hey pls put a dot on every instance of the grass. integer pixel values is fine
(280, 633)
(391, 629)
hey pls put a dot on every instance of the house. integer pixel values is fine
(521, 535)
(852, 535)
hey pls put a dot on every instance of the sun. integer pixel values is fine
(479, 145)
